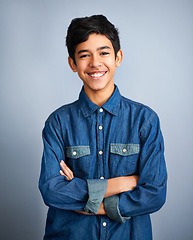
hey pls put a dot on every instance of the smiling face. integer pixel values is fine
(96, 64)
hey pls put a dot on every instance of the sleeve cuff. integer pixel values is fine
(111, 205)
(96, 191)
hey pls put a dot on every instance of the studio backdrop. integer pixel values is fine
(35, 79)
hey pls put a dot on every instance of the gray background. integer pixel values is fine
(156, 39)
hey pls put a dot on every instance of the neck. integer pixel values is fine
(100, 97)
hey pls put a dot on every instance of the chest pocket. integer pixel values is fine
(78, 160)
(123, 159)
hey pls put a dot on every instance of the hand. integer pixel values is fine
(100, 212)
(132, 180)
(121, 184)
(128, 183)
(82, 212)
(66, 171)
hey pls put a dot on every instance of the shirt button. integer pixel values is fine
(124, 150)
(102, 177)
(104, 224)
(74, 153)
(101, 110)
(100, 152)
(100, 127)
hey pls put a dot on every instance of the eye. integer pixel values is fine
(84, 56)
(104, 53)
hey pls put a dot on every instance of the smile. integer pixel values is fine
(97, 74)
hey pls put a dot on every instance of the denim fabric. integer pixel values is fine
(124, 149)
(96, 191)
(77, 151)
(120, 138)
(112, 208)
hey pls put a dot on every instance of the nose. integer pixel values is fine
(95, 62)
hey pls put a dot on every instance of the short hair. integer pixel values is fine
(80, 29)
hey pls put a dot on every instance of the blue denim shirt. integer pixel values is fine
(120, 138)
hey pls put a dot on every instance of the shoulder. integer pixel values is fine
(137, 106)
(140, 113)
(62, 111)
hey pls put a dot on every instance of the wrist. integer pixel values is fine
(102, 209)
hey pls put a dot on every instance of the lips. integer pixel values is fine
(97, 74)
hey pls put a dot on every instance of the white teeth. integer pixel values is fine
(96, 75)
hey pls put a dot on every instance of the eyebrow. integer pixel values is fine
(98, 49)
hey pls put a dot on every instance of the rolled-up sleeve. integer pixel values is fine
(112, 209)
(96, 190)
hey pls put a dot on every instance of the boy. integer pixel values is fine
(103, 169)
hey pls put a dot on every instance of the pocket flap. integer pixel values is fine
(124, 149)
(77, 151)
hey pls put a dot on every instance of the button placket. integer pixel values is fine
(104, 224)
(100, 152)
(100, 142)
(100, 127)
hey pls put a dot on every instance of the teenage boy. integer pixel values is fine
(103, 169)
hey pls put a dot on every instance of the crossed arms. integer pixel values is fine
(114, 185)
(122, 197)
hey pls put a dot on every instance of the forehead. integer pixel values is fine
(94, 42)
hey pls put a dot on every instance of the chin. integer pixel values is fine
(97, 88)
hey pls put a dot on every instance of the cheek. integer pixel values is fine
(111, 63)
(81, 68)
(112, 66)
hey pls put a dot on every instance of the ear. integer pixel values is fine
(119, 58)
(72, 64)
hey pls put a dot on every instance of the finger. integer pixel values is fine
(67, 172)
(66, 169)
(82, 212)
(61, 173)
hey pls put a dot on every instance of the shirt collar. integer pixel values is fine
(112, 105)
